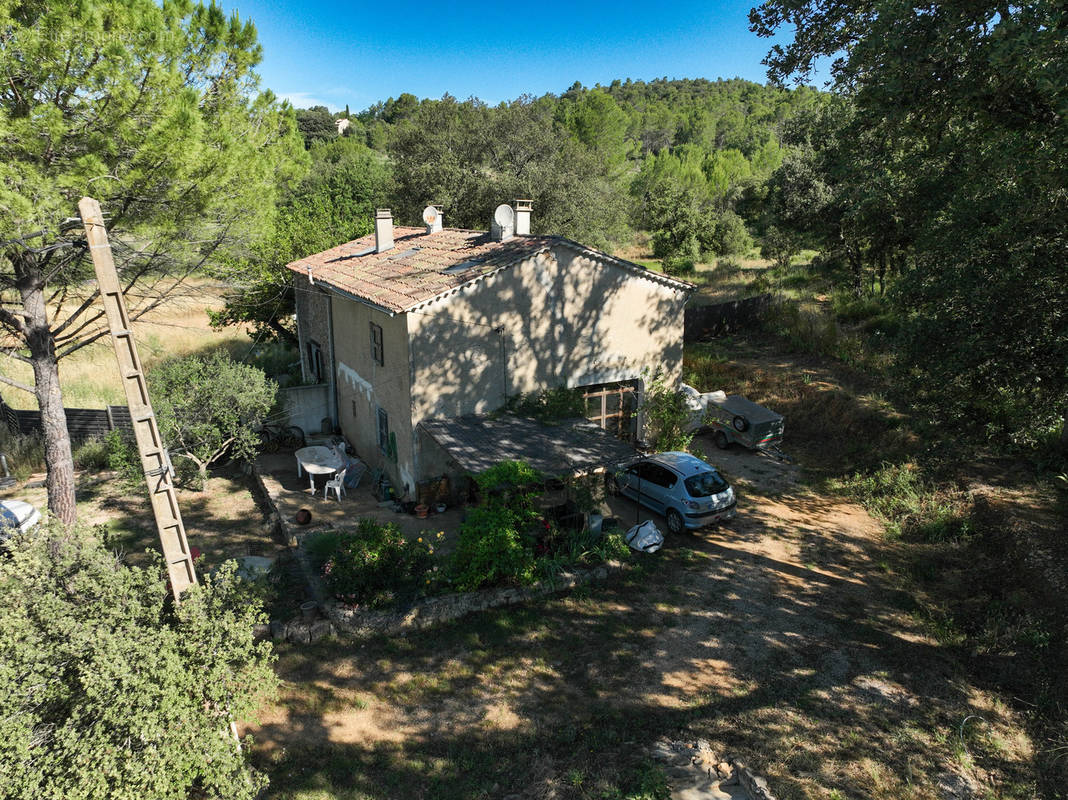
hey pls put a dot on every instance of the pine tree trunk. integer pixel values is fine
(58, 459)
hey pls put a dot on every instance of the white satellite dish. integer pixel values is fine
(504, 216)
(432, 218)
(503, 226)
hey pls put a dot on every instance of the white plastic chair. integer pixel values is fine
(337, 483)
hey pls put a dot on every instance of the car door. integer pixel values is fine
(661, 483)
(638, 483)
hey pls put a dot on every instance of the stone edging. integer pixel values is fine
(445, 608)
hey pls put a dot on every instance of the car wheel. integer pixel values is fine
(674, 521)
(741, 424)
(721, 440)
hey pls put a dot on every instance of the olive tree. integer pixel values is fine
(210, 407)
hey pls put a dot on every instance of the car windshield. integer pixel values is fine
(705, 484)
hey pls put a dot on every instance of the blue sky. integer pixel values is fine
(360, 52)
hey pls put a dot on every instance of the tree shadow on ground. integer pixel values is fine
(813, 674)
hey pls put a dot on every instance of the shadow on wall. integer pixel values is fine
(560, 319)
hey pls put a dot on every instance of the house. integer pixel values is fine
(415, 325)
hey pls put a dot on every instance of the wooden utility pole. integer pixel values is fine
(154, 458)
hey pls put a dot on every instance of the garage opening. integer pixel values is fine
(613, 407)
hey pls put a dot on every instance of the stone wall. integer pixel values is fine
(445, 608)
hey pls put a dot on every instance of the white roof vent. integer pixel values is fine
(503, 226)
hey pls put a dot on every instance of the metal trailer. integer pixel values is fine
(733, 418)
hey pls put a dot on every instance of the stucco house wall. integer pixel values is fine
(313, 307)
(364, 386)
(560, 318)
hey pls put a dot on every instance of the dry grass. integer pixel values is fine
(89, 377)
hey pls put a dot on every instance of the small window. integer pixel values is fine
(377, 353)
(315, 360)
(656, 474)
(383, 430)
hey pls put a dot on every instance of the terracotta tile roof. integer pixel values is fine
(421, 266)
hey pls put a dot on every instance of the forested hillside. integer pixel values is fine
(687, 161)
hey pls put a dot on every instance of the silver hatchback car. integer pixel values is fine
(687, 491)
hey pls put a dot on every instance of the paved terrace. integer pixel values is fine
(290, 493)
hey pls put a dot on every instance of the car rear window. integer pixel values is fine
(705, 484)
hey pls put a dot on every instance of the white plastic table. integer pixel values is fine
(316, 460)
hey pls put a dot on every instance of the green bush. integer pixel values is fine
(374, 565)
(496, 547)
(512, 476)
(850, 308)
(679, 265)
(666, 416)
(497, 539)
(92, 454)
(122, 457)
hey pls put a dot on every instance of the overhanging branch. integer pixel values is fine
(17, 384)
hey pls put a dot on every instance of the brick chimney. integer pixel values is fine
(522, 217)
(383, 230)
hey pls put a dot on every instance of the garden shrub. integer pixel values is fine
(679, 265)
(374, 565)
(510, 476)
(497, 539)
(122, 457)
(666, 416)
(493, 549)
(92, 454)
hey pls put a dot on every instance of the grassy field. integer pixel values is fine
(89, 377)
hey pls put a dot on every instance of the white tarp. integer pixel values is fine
(645, 537)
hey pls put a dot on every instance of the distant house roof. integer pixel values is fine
(422, 266)
(477, 443)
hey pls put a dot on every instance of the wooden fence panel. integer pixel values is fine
(82, 423)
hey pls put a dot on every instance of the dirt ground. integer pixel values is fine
(223, 521)
(783, 637)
